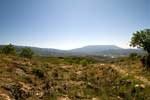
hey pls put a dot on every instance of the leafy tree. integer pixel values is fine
(141, 39)
(9, 49)
(27, 53)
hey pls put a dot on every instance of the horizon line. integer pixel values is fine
(33, 46)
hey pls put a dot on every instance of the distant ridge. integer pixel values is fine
(91, 50)
(95, 48)
(41, 51)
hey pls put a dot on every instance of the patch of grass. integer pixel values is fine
(79, 60)
(25, 78)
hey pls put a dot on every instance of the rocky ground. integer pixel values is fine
(36, 79)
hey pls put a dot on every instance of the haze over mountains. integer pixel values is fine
(91, 50)
(105, 50)
(95, 48)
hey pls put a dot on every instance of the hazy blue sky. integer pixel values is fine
(67, 24)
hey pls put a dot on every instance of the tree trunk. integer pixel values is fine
(148, 60)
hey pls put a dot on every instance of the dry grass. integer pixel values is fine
(58, 79)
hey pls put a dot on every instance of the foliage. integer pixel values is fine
(79, 60)
(38, 72)
(27, 53)
(84, 62)
(25, 78)
(141, 39)
(133, 56)
(43, 79)
(16, 91)
(9, 49)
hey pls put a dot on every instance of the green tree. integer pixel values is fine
(9, 49)
(141, 39)
(27, 53)
(84, 62)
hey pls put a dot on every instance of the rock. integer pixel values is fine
(19, 72)
(137, 85)
(79, 72)
(142, 86)
(39, 94)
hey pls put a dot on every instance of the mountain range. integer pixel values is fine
(91, 50)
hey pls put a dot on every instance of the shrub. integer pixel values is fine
(84, 62)
(133, 56)
(16, 91)
(27, 53)
(9, 49)
(38, 72)
(79, 60)
(25, 78)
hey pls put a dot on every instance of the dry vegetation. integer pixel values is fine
(72, 79)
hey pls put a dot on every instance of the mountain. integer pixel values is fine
(105, 50)
(92, 50)
(95, 48)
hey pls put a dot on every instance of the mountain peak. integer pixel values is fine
(96, 48)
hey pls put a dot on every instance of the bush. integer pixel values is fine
(16, 91)
(84, 62)
(25, 78)
(133, 56)
(38, 72)
(79, 60)
(9, 49)
(27, 53)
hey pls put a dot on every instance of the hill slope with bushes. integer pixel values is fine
(59, 78)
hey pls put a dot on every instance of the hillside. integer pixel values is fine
(119, 52)
(42, 51)
(55, 78)
(93, 50)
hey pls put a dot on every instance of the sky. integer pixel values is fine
(68, 24)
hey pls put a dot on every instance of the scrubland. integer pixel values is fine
(72, 78)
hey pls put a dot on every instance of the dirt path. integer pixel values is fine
(125, 73)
